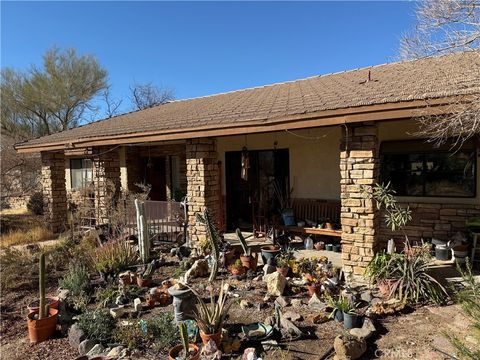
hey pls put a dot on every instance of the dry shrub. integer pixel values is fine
(19, 269)
(19, 237)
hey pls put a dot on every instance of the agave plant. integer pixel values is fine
(210, 317)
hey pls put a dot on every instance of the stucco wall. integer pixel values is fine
(314, 158)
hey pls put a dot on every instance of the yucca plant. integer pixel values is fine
(214, 238)
(413, 283)
(210, 317)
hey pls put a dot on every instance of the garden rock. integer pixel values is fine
(116, 351)
(76, 335)
(118, 312)
(317, 318)
(137, 304)
(276, 283)
(296, 303)
(293, 316)
(282, 301)
(244, 304)
(85, 346)
(366, 296)
(198, 269)
(316, 303)
(63, 294)
(257, 278)
(348, 348)
(96, 350)
(387, 307)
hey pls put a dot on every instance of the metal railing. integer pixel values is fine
(165, 220)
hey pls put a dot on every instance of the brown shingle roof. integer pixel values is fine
(429, 78)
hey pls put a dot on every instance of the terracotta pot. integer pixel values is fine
(52, 302)
(319, 246)
(249, 262)
(144, 282)
(164, 299)
(215, 337)
(385, 286)
(236, 271)
(313, 289)
(175, 351)
(41, 329)
(283, 271)
(230, 257)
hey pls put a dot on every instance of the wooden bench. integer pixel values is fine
(315, 210)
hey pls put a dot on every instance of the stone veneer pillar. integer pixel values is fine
(106, 181)
(203, 185)
(54, 191)
(359, 217)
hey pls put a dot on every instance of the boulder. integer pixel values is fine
(348, 348)
(276, 283)
(282, 301)
(293, 316)
(96, 350)
(387, 307)
(316, 303)
(76, 335)
(296, 303)
(267, 270)
(366, 296)
(116, 351)
(85, 346)
(318, 318)
(198, 269)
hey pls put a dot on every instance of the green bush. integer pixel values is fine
(77, 281)
(98, 325)
(163, 331)
(35, 203)
(130, 335)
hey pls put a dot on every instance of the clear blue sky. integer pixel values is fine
(204, 48)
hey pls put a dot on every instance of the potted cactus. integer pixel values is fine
(145, 279)
(42, 322)
(237, 268)
(249, 261)
(185, 350)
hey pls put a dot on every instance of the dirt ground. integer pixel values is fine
(414, 335)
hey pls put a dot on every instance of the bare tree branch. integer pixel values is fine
(145, 96)
(444, 27)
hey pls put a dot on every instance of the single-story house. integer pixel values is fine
(322, 137)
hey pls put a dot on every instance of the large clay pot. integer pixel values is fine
(144, 282)
(175, 351)
(250, 262)
(52, 302)
(41, 329)
(217, 338)
(269, 253)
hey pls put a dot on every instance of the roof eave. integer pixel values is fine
(379, 112)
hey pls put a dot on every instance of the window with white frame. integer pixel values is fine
(80, 173)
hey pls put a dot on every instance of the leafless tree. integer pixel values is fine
(444, 27)
(145, 96)
(111, 104)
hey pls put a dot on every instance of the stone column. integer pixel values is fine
(359, 166)
(106, 182)
(54, 191)
(203, 185)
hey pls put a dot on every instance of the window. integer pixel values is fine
(80, 173)
(415, 169)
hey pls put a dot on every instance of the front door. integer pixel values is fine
(155, 176)
(256, 194)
